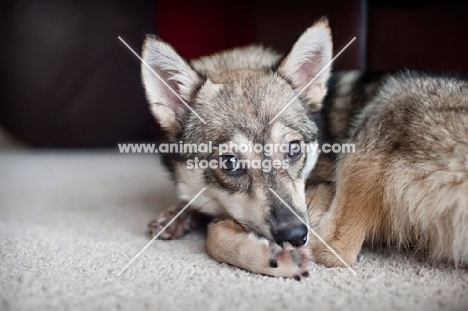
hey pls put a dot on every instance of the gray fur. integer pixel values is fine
(237, 93)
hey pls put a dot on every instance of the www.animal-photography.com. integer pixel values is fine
(222, 155)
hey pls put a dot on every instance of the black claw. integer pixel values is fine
(305, 274)
(359, 257)
(273, 263)
(297, 277)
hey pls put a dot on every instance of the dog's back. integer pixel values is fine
(420, 125)
(407, 183)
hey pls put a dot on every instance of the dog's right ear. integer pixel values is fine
(168, 82)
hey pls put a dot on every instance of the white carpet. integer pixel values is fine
(69, 222)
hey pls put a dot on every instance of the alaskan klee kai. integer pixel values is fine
(406, 184)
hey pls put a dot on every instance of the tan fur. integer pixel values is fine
(237, 93)
(319, 198)
(323, 171)
(228, 242)
(355, 210)
(407, 186)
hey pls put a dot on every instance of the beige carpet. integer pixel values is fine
(70, 221)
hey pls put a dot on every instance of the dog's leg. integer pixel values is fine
(355, 212)
(177, 229)
(318, 199)
(228, 242)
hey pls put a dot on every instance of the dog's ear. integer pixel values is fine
(307, 57)
(168, 83)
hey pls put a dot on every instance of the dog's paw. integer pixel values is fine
(323, 255)
(288, 261)
(177, 229)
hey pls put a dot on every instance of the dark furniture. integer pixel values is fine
(67, 81)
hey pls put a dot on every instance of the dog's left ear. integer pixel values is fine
(308, 56)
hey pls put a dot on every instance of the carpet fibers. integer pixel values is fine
(69, 222)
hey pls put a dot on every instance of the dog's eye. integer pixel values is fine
(295, 149)
(230, 164)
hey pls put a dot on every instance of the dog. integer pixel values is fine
(261, 219)
(238, 92)
(406, 184)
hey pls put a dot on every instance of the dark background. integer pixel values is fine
(67, 81)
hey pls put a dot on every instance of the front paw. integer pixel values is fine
(323, 255)
(288, 261)
(177, 229)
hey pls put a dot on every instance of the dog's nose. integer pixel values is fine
(297, 236)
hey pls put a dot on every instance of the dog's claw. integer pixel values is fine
(305, 274)
(273, 263)
(178, 227)
(287, 261)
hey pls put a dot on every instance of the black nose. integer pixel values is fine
(297, 236)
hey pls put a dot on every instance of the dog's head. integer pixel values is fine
(249, 97)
